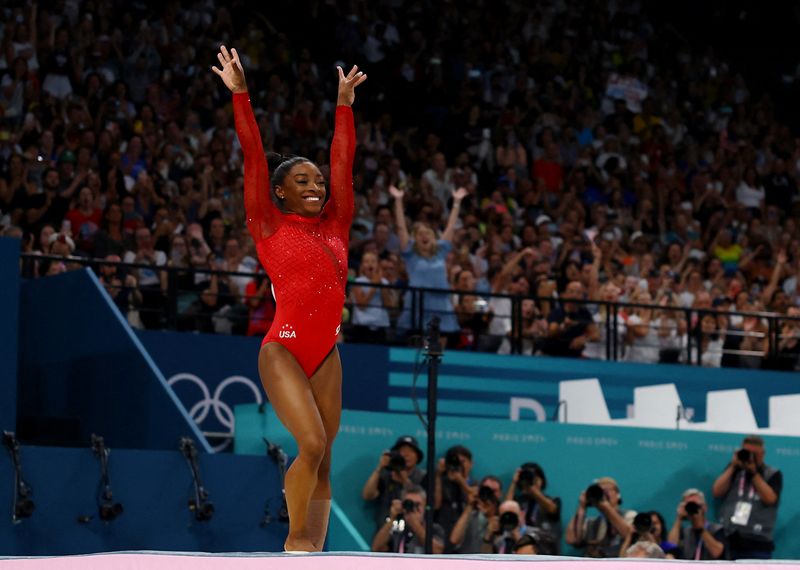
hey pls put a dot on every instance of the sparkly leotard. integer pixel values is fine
(306, 258)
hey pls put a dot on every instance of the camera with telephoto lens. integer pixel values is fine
(643, 523)
(744, 455)
(508, 521)
(452, 461)
(526, 477)
(397, 462)
(594, 494)
(487, 494)
(409, 506)
(692, 508)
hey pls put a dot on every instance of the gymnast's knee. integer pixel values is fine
(312, 446)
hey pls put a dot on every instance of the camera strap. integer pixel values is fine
(751, 492)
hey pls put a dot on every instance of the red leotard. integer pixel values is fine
(306, 258)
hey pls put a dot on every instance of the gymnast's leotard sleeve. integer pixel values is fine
(339, 209)
(262, 214)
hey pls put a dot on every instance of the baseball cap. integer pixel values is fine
(411, 442)
(543, 219)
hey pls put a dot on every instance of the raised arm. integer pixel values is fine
(262, 214)
(449, 230)
(400, 217)
(339, 208)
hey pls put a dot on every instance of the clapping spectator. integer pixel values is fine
(371, 305)
(571, 325)
(152, 282)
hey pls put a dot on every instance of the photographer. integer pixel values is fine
(600, 536)
(702, 539)
(642, 542)
(404, 529)
(453, 487)
(470, 528)
(396, 470)
(507, 530)
(750, 490)
(542, 513)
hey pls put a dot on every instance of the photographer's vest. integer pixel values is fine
(742, 511)
(600, 538)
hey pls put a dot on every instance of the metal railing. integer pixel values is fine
(183, 298)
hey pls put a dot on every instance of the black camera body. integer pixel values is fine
(487, 495)
(452, 461)
(744, 455)
(643, 523)
(526, 477)
(508, 521)
(409, 506)
(397, 462)
(594, 494)
(692, 508)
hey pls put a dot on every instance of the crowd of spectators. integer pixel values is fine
(569, 152)
(474, 515)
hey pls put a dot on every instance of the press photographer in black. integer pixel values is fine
(470, 528)
(600, 536)
(507, 534)
(452, 489)
(750, 491)
(541, 512)
(397, 469)
(700, 539)
(404, 529)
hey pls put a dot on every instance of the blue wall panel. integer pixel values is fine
(9, 310)
(81, 364)
(378, 378)
(153, 487)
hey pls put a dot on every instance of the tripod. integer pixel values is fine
(433, 356)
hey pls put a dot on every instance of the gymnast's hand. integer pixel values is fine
(348, 84)
(231, 73)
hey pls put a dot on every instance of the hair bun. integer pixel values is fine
(274, 160)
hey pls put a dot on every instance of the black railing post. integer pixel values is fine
(692, 332)
(172, 299)
(609, 333)
(772, 338)
(615, 328)
(516, 323)
(421, 311)
(414, 302)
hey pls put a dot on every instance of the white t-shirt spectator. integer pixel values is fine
(147, 276)
(247, 265)
(748, 196)
(374, 315)
(442, 187)
(15, 103)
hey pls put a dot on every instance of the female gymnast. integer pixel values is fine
(302, 243)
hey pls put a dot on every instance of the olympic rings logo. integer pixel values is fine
(223, 412)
